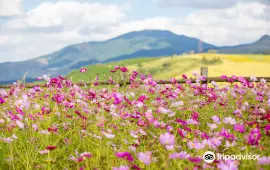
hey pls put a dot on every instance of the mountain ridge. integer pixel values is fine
(261, 46)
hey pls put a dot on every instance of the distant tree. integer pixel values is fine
(139, 65)
(212, 51)
(204, 60)
(191, 52)
(166, 64)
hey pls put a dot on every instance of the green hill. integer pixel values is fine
(175, 66)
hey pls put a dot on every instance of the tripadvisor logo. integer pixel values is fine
(209, 157)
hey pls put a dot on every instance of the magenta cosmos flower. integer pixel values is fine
(123, 69)
(50, 147)
(125, 155)
(118, 98)
(195, 159)
(2, 100)
(267, 129)
(239, 128)
(254, 136)
(83, 70)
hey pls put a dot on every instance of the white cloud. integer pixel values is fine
(208, 4)
(161, 23)
(240, 24)
(52, 26)
(3, 40)
(69, 15)
(243, 23)
(10, 7)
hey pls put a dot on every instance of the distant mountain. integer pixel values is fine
(262, 46)
(148, 43)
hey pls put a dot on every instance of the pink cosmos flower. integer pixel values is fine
(239, 128)
(202, 78)
(149, 116)
(162, 110)
(226, 134)
(212, 126)
(195, 73)
(180, 155)
(145, 157)
(229, 120)
(141, 122)
(121, 168)
(169, 128)
(111, 81)
(108, 135)
(35, 127)
(242, 79)
(83, 70)
(216, 119)
(20, 124)
(14, 136)
(213, 142)
(132, 148)
(86, 154)
(39, 78)
(195, 145)
(228, 144)
(264, 160)
(237, 112)
(167, 139)
(223, 77)
(7, 140)
(42, 152)
(192, 122)
(228, 165)
(259, 98)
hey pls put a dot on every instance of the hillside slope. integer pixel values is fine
(262, 46)
(175, 66)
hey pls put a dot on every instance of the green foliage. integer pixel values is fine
(215, 60)
(212, 51)
(166, 64)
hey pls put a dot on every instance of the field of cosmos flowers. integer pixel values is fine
(141, 125)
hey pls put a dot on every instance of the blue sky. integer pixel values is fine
(31, 28)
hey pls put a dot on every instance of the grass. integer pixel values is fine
(75, 134)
